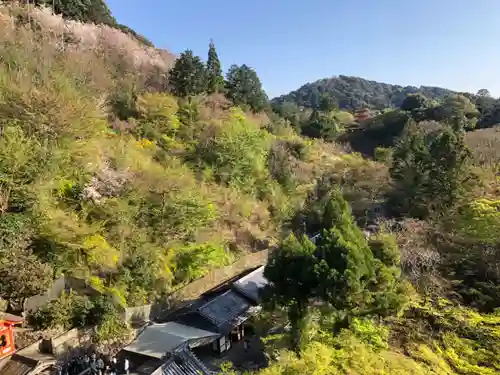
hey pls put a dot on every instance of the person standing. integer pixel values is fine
(100, 366)
(86, 360)
(126, 366)
(114, 364)
(93, 365)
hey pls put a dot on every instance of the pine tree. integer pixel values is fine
(215, 80)
(187, 77)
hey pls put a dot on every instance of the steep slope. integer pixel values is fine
(355, 92)
(89, 11)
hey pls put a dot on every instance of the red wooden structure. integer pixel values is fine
(7, 323)
(362, 114)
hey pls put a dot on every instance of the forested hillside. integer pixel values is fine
(355, 92)
(139, 173)
(367, 114)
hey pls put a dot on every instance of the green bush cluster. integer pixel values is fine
(72, 310)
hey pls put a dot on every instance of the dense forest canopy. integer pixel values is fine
(138, 175)
(355, 92)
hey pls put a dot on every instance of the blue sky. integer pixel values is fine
(448, 43)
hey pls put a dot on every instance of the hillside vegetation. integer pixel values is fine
(108, 177)
(139, 173)
(368, 114)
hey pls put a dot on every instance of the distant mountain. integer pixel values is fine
(355, 92)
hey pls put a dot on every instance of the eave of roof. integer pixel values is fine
(10, 318)
(250, 285)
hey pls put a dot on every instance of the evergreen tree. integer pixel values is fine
(215, 80)
(413, 102)
(429, 171)
(187, 77)
(340, 270)
(345, 260)
(326, 103)
(292, 281)
(321, 125)
(244, 88)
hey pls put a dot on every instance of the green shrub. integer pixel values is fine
(383, 155)
(194, 261)
(72, 310)
(112, 329)
(236, 152)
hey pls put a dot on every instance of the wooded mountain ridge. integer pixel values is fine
(349, 92)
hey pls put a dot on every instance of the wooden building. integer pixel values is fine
(363, 114)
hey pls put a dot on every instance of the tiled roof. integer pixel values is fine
(184, 362)
(18, 365)
(227, 310)
(251, 284)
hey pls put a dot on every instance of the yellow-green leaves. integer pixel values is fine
(99, 253)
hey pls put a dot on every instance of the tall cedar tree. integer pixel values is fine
(345, 259)
(215, 80)
(187, 77)
(243, 87)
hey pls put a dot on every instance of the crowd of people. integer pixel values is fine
(95, 365)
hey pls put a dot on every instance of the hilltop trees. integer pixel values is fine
(215, 80)
(354, 92)
(190, 77)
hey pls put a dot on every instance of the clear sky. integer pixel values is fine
(449, 43)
